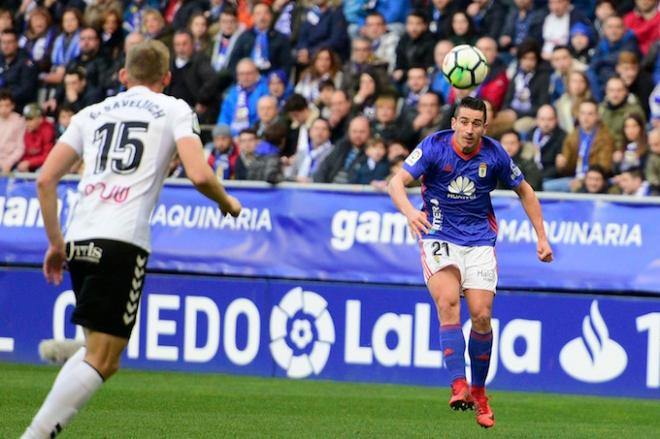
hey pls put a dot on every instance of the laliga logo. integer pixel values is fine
(598, 360)
(301, 333)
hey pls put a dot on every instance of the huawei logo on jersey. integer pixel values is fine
(461, 188)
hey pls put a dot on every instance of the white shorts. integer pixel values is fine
(477, 265)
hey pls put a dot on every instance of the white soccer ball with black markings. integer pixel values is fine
(465, 66)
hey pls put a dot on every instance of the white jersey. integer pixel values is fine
(126, 142)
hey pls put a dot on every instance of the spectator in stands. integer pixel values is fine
(193, 78)
(247, 145)
(582, 43)
(615, 40)
(155, 28)
(416, 85)
(325, 66)
(595, 181)
(368, 90)
(347, 155)
(91, 59)
(199, 29)
(385, 124)
(324, 26)
(644, 22)
(529, 87)
(239, 108)
(618, 103)
(39, 139)
(134, 12)
(654, 105)
(396, 149)
(279, 87)
(556, 26)
(302, 115)
(65, 48)
(64, 115)
(523, 156)
(635, 144)
(266, 114)
(375, 167)
(394, 12)
(17, 72)
(266, 165)
(488, 17)
(340, 110)
(306, 165)
(461, 29)
(287, 17)
(547, 138)
(639, 82)
(362, 58)
(383, 42)
(567, 105)
(269, 49)
(652, 168)
(38, 38)
(326, 89)
(95, 11)
(589, 144)
(415, 48)
(428, 118)
(224, 43)
(12, 130)
(112, 85)
(222, 153)
(112, 35)
(604, 9)
(493, 88)
(77, 93)
(519, 24)
(440, 12)
(631, 182)
(562, 63)
(6, 20)
(437, 79)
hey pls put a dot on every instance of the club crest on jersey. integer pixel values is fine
(482, 169)
(414, 157)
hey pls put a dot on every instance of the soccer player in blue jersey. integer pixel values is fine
(457, 231)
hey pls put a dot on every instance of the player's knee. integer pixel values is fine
(481, 321)
(108, 368)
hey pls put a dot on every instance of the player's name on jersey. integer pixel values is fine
(126, 102)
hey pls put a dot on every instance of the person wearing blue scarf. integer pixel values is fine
(239, 107)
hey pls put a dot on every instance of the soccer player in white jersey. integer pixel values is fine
(126, 143)
(457, 232)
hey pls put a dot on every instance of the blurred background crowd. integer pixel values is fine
(340, 92)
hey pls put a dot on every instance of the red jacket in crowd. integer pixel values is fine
(38, 144)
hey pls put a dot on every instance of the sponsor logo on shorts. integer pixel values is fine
(593, 357)
(87, 252)
(487, 275)
(301, 333)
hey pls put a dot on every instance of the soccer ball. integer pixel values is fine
(465, 66)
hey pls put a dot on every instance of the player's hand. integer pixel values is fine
(231, 206)
(544, 251)
(418, 223)
(54, 263)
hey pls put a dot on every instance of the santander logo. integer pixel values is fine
(593, 357)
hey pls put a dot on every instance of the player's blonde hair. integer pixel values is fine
(148, 62)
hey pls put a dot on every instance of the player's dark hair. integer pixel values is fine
(472, 104)
(6, 95)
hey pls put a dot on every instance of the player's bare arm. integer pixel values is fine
(533, 210)
(59, 161)
(199, 172)
(417, 220)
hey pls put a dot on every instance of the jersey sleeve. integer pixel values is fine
(418, 162)
(185, 123)
(73, 135)
(507, 171)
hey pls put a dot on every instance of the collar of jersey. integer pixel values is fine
(461, 154)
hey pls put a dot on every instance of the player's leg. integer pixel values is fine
(75, 384)
(444, 287)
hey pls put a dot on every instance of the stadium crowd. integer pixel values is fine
(340, 92)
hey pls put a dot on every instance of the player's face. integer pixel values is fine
(469, 125)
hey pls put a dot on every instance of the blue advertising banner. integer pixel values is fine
(319, 234)
(598, 345)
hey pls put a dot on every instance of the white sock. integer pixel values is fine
(73, 387)
(72, 361)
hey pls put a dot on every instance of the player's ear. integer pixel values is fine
(167, 78)
(123, 76)
(453, 123)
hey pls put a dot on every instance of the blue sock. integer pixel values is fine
(453, 350)
(479, 348)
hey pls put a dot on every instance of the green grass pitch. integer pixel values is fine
(138, 404)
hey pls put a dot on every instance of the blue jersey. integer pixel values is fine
(456, 187)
